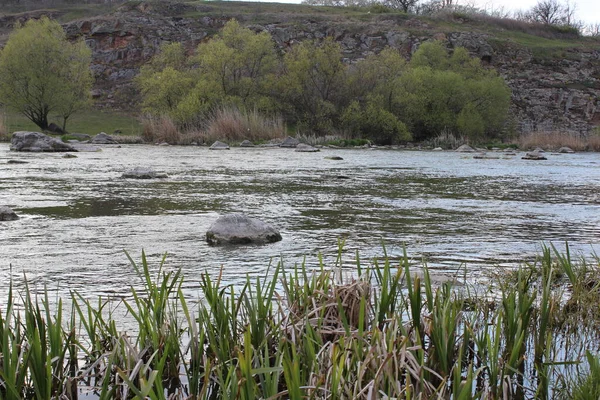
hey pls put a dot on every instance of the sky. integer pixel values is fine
(586, 10)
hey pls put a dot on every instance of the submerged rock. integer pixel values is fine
(7, 214)
(37, 142)
(486, 156)
(290, 142)
(465, 148)
(241, 229)
(143, 173)
(337, 158)
(17, 162)
(103, 138)
(219, 146)
(69, 155)
(305, 148)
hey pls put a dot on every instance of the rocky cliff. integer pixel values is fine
(555, 82)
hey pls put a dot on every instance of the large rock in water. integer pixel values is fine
(36, 142)
(241, 229)
(7, 214)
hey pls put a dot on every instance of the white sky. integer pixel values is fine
(586, 10)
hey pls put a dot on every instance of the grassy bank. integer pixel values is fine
(385, 333)
(90, 122)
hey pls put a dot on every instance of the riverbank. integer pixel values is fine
(320, 333)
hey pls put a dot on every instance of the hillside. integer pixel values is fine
(553, 73)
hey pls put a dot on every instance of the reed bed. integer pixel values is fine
(555, 140)
(225, 123)
(383, 332)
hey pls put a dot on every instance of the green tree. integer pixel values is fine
(238, 62)
(312, 83)
(41, 72)
(450, 91)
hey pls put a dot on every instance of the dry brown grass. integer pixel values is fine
(556, 140)
(160, 130)
(593, 142)
(235, 125)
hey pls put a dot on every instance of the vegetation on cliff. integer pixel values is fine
(383, 98)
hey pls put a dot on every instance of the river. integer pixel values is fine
(461, 215)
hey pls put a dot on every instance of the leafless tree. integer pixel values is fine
(404, 5)
(547, 12)
(593, 29)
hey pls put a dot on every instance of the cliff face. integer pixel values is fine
(552, 90)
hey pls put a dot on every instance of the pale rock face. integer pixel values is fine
(241, 229)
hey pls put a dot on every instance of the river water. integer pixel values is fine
(460, 215)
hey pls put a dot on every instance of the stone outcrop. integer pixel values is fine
(7, 214)
(37, 142)
(241, 229)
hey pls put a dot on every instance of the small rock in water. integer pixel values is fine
(305, 148)
(337, 158)
(534, 155)
(69, 155)
(17, 162)
(290, 142)
(241, 229)
(246, 143)
(465, 148)
(219, 146)
(7, 214)
(566, 149)
(143, 173)
(103, 138)
(438, 149)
